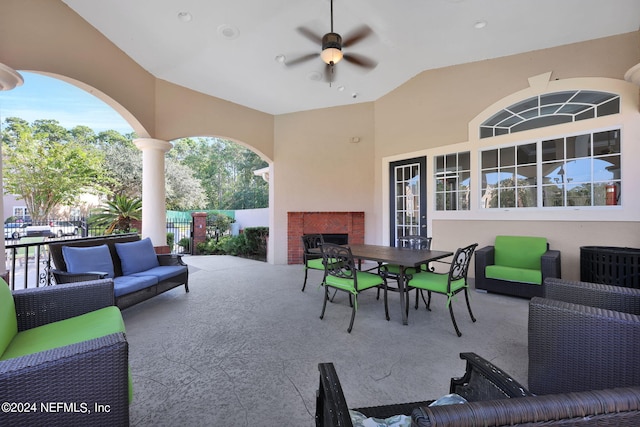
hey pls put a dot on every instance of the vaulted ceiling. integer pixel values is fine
(239, 50)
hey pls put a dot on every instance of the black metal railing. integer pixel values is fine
(28, 261)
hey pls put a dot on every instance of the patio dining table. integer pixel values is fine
(403, 257)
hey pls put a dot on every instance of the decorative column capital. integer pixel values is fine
(152, 144)
(9, 78)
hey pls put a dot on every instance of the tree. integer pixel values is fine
(225, 170)
(116, 215)
(46, 168)
(183, 190)
(123, 167)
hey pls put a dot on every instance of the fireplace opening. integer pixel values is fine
(336, 238)
(336, 227)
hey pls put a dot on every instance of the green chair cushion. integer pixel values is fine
(435, 282)
(88, 326)
(8, 319)
(511, 274)
(365, 281)
(395, 269)
(519, 251)
(316, 264)
(94, 324)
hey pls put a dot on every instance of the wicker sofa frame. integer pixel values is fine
(597, 345)
(90, 372)
(495, 399)
(584, 339)
(126, 300)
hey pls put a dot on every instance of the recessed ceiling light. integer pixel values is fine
(315, 76)
(228, 32)
(280, 58)
(340, 88)
(480, 25)
(185, 16)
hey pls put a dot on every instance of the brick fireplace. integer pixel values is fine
(299, 223)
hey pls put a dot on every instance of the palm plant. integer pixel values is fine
(116, 215)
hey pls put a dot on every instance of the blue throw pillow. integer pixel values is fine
(86, 259)
(137, 256)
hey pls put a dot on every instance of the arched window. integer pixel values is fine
(570, 170)
(550, 109)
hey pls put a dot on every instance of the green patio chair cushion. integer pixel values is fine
(435, 282)
(8, 319)
(519, 251)
(395, 269)
(510, 274)
(365, 281)
(315, 264)
(94, 324)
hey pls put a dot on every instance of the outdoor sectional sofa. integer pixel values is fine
(516, 265)
(138, 272)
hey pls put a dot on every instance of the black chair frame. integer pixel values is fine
(339, 262)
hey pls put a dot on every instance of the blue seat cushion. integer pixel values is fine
(137, 256)
(123, 285)
(162, 272)
(88, 259)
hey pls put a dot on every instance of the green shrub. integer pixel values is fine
(256, 238)
(251, 243)
(170, 239)
(185, 242)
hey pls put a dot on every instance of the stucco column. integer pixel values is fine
(9, 79)
(154, 213)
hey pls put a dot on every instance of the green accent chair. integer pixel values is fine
(312, 259)
(516, 265)
(450, 283)
(341, 274)
(64, 344)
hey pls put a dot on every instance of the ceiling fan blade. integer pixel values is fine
(310, 35)
(356, 35)
(360, 60)
(301, 59)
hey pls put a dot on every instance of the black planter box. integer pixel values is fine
(610, 265)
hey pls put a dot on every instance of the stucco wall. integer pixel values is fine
(314, 166)
(445, 107)
(318, 168)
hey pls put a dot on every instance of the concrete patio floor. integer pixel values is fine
(243, 346)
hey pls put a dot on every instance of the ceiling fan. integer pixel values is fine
(332, 44)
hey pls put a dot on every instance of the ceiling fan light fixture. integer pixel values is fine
(331, 55)
(331, 48)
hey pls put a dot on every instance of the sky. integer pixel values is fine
(47, 98)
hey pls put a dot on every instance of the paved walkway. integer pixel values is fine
(242, 348)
